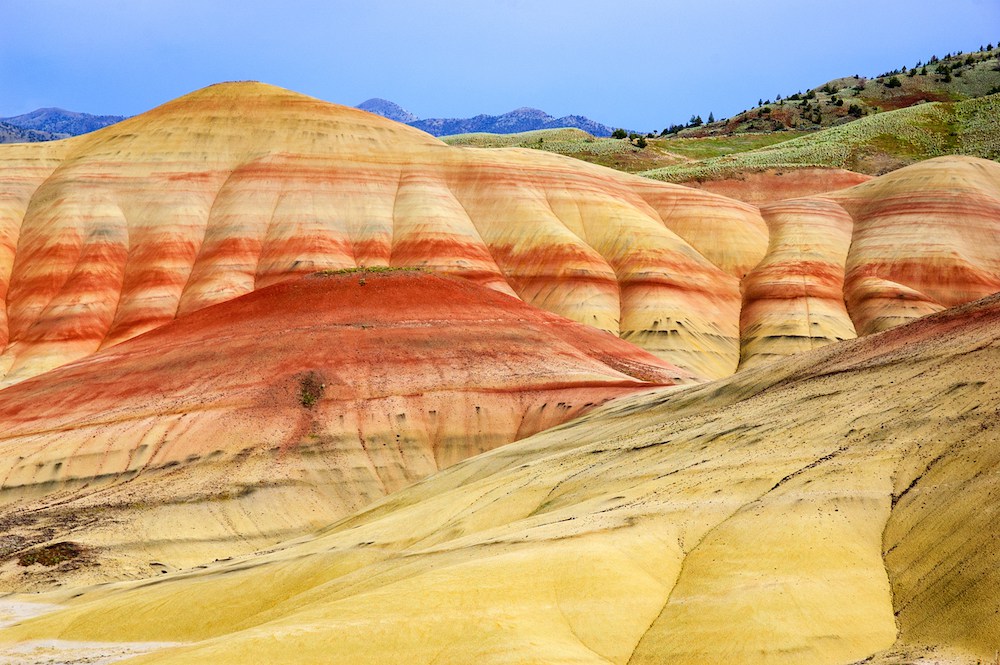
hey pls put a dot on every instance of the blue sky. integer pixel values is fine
(642, 64)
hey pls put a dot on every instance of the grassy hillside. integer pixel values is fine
(624, 154)
(718, 146)
(875, 144)
(621, 154)
(520, 139)
(945, 106)
(950, 79)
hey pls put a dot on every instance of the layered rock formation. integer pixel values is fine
(833, 507)
(242, 185)
(874, 256)
(793, 300)
(827, 508)
(953, 205)
(280, 411)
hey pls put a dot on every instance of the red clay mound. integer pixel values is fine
(327, 391)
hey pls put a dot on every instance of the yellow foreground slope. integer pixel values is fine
(834, 506)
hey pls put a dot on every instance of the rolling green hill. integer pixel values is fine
(945, 106)
(954, 78)
(621, 154)
(875, 144)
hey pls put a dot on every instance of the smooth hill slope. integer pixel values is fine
(835, 506)
(243, 185)
(278, 412)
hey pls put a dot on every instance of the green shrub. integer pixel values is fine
(311, 389)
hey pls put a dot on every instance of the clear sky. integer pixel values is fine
(642, 64)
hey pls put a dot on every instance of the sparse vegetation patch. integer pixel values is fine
(311, 389)
(51, 555)
(367, 269)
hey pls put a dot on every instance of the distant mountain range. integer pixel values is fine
(512, 122)
(51, 124)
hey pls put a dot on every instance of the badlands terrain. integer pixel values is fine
(284, 381)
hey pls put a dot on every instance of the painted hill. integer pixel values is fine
(154, 218)
(770, 185)
(836, 265)
(181, 385)
(278, 412)
(144, 224)
(722, 523)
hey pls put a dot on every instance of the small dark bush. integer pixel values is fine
(311, 389)
(51, 555)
